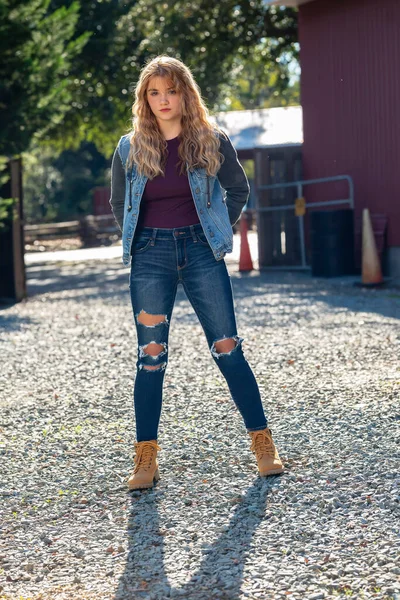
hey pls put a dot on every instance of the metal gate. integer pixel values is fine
(281, 214)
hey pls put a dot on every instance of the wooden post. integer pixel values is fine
(12, 267)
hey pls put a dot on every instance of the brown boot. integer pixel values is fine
(263, 447)
(146, 465)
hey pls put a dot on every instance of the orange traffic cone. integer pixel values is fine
(245, 262)
(371, 267)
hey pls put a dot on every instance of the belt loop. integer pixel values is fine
(192, 231)
(153, 237)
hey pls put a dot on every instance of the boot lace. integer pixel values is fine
(144, 454)
(262, 443)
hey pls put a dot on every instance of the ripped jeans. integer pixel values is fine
(161, 259)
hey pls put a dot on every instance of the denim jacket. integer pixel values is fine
(218, 200)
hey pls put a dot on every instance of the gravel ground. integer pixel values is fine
(327, 358)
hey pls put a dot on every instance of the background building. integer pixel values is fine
(269, 145)
(350, 90)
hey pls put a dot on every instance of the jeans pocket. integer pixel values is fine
(140, 245)
(202, 239)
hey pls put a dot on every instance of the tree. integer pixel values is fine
(99, 79)
(35, 51)
(261, 83)
(205, 34)
(68, 74)
(212, 37)
(60, 188)
(68, 71)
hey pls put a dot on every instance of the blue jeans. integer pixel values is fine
(161, 259)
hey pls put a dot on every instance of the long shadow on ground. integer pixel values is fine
(220, 573)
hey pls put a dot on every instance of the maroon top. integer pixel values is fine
(167, 202)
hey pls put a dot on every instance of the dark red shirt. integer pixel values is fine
(167, 202)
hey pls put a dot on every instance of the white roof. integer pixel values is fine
(262, 127)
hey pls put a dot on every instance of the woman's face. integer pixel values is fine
(163, 99)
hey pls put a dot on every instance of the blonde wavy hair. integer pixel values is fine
(199, 145)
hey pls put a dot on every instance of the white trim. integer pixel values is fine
(286, 2)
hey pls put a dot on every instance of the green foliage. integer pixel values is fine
(4, 174)
(35, 51)
(59, 189)
(261, 81)
(214, 37)
(6, 204)
(210, 37)
(100, 78)
(41, 182)
(68, 71)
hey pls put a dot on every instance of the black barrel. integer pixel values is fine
(332, 243)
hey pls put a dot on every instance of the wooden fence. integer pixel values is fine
(91, 229)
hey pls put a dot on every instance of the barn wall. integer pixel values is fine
(350, 58)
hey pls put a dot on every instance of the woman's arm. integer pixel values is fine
(233, 179)
(117, 188)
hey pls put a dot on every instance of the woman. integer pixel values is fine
(171, 166)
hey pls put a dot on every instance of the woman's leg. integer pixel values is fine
(153, 292)
(208, 287)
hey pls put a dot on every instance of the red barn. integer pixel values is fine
(350, 94)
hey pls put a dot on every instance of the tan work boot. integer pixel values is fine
(263, 447)
(146, 465)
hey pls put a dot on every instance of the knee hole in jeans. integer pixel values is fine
(149, 320)
(153, 368)
(153, 349)
(225, 346)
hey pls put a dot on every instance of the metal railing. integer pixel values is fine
(299, 185)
